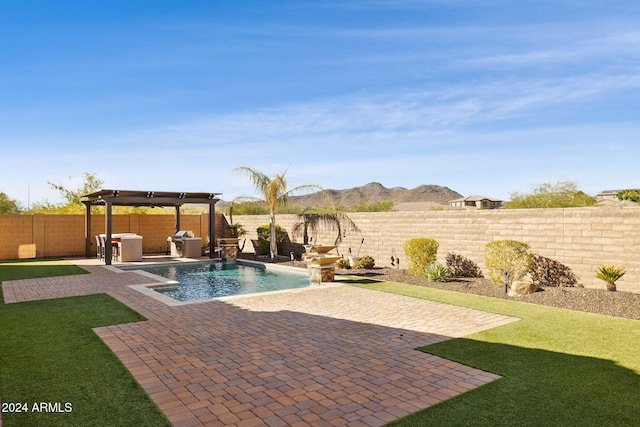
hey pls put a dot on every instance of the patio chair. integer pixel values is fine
(256, 248)
(99, 248)
(114, 248)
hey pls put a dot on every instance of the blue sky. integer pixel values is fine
(485, 97)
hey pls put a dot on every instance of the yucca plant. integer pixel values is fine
(610, 274)
(436, 272)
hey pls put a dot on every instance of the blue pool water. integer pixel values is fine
(199, 281)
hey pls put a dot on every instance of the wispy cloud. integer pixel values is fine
(412, 114)
(599, 51)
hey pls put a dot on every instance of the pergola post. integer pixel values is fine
(212, 229)
(177, 226)
(108, 249)
(87, 231)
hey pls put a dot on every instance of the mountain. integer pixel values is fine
(376, 192)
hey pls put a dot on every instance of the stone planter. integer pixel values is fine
(319, 249)
(322, 268)
(229, 247)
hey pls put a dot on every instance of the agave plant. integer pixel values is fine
(610, 273)
(436, 272)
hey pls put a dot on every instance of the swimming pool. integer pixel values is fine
(206, 280)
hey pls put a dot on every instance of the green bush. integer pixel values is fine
(343, 263)
(511, 256)
(263, 238)
(436, 272)
(235, 230)
(420, 252)
(366, 262)
(563, 194)
(631, 194)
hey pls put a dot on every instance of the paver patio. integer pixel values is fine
(331, 355)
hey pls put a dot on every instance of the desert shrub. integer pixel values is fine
(420, 252)
(559, 274)
(436, 272)
(563, 194)
(343, 263)
(460, 266)
(610, 273)
(263, 238)
(511, 256)
(366, 262)
(381, 206)
(235, 230)
(630, 194)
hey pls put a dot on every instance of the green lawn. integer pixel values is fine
(48, 353)
(559, 367)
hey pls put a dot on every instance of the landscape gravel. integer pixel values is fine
(598, 301)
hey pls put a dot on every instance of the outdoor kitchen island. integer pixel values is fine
(127, 246)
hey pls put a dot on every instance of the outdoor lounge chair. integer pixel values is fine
(256, 248)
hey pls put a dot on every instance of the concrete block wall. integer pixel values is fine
(580, 238)
(155, 232)
(12, 230)
(42, 236)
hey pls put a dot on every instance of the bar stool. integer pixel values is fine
(115, 250)
(99, 248)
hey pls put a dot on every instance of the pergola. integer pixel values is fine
(110, 198)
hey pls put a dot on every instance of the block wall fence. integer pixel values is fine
(580, 238)
(46, 236)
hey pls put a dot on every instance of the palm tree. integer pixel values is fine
(275, 193)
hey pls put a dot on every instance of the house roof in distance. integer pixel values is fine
(474, 199)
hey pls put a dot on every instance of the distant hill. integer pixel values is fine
(376, 192)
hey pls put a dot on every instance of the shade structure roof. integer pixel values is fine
(148, 198)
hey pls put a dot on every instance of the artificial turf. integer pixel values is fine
(50, 355)
(558, 367)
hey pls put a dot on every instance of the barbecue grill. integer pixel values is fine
(185, 245)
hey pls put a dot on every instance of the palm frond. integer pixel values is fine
(259, 179)
(610, 273)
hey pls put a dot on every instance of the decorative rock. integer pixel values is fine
(521, 288)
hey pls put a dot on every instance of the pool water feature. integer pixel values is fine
(200, 281)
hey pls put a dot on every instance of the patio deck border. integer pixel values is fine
(339, 356)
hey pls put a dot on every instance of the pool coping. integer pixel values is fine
(163, 282)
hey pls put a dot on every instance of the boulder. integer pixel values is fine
(521, 288)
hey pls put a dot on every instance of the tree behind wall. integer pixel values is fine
(563, 194)
(631, 194)
(8, 205)
(71, 197)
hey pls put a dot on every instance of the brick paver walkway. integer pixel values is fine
(333, 355)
